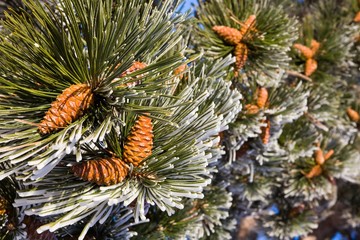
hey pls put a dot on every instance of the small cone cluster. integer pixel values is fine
(357, 17)
(262, 96)
(320, 158)
(353, 115)
(309, 53)
(234, 37)
(134, 67)
(31, 225)
(113, 170)
(139, 142)
(68, 107)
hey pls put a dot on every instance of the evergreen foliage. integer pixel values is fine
(124, 119)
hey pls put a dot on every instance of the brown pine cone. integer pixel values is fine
(104, 171)
(139, 142)
(68, 107)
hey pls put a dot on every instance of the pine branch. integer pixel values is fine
(48, 50)
(176, 169)
(267, 44)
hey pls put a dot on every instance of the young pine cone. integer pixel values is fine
(230, 35)
(262, 97)
(134, 67)
(139, 142)
(357, 17)
(314, 172)
(304, 50)
(315, 45)
(251, 109)
(248, 25)
(265, 132)
(310, 66)
(241, 55)
(104, 171)
(68, 107)
(353, 115)
(180, 71)
(319, 157)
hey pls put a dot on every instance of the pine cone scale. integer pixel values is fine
(107, 174)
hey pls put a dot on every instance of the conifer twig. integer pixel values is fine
(297, 74)
(315, 121)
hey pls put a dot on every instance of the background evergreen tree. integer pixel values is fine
(125, 119)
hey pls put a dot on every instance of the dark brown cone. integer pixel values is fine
(243, 150)
(353, 115)
(31, 225)
(139, 142)
(262, 97)
(357, 17)
(68, 106)
(230, 35)
(104, 171)
(221, 137)
(265, 132)
(310, 66)
(241, 55)
(304, 50)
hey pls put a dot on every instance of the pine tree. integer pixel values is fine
(311, 148)
(126, 119)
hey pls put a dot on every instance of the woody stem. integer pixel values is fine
(297, 74)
